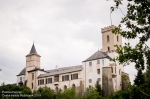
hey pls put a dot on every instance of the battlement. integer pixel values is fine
(108, 28)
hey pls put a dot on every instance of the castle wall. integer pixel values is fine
(107, 82)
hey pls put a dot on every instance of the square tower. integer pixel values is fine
(109, 39)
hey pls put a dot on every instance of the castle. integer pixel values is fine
(97, 67)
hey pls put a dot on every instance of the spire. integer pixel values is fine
(33, 51)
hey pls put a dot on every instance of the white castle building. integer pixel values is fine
(97, 67)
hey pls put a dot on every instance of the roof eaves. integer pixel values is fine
(98, 58)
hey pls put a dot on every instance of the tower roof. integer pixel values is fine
(33, 51)
(97, 55)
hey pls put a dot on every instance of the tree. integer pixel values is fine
(69, 94)
(91, 93)
(12, 87)
(98, 88)
(137, 22)
(45, 92)
(139, 80)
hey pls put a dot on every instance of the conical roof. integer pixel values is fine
(33, 51)
(97, 55)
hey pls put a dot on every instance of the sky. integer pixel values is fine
(65, 32)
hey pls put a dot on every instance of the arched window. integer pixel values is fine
(56, 88)
(108, 48)
(117, 38)
(107, 38)
(73, 86)
(65, 87)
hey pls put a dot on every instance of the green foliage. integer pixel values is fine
(98, 88)
(139, 80)
(137, 22)
(91, 93)
(45, 93)
(11, 87)
(69, 94)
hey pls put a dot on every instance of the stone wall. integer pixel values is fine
(107, 83)
(125, 80)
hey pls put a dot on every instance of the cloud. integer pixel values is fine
(65, 32)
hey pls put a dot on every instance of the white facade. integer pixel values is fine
(91, 70)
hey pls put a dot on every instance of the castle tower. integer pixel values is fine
(109, 39)
(32, 60)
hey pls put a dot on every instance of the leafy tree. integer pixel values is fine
(91, 93)
(45, 93)
(98, 88)
(11, 87)
(69, 94)
(139, 80)
(137, 22)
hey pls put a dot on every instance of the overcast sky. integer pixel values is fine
(65, 32)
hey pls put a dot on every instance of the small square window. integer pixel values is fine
(98, 79)
(98, 71)
(98, 61)
(90, 80)
(90, 63)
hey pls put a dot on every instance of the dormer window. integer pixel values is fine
(107, 38)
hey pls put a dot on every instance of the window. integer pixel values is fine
(56, 78)
(119, 71)
(112, 69)
(49, 80)
(117, 38)
(103, 62)
(90, 63)
(32, 85)
(90, 80)
(98, 71)
(107, 38)
(115, 69)
(98, 61)
(65, 87)
(74, 76)
(56, 88)
(32, 76)
(108, 48)
(20, 78)
(73, 85)
(65, 78)
(98, 79)
(41, 82)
